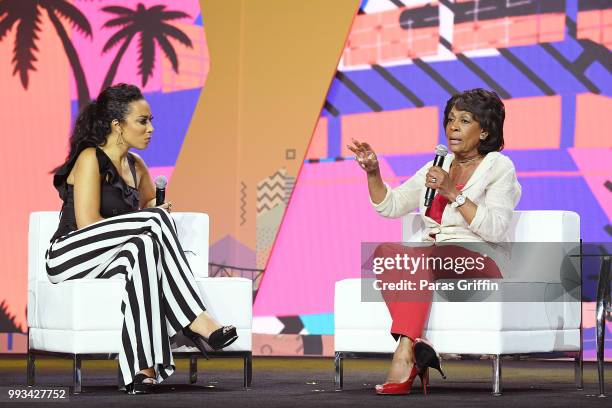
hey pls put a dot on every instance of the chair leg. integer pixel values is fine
(193, 369)
(248, 369)
(31, 368)
(497, 372)
(578, 369)
(603, 292)
(339, 375)
(76, 373)
(120, 384)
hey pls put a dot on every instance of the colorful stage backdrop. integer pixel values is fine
(288, 205)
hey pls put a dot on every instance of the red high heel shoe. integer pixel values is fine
(402, 388)
(424, 357)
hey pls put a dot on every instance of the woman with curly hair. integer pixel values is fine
(109, 227)
(477, 191)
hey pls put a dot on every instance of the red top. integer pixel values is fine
(437, 206)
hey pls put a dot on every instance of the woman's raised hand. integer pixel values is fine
(364, 155)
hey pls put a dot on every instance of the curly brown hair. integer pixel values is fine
(93, 124)
(488, 110)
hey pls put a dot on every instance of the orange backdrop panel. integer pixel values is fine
(35, 127)
(270, 71)
(318, 142)
(387, 131)
(592, 111)
(533, 123)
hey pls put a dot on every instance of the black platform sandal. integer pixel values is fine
(142, 384)
(218, 339)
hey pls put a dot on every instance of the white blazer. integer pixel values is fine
(493, 187)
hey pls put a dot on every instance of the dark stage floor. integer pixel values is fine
(308, 382)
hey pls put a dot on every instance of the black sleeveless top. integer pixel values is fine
(116, 197)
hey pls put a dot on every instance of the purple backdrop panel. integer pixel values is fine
(172, 114)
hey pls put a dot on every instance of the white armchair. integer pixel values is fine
(81, 319)
(493, 328)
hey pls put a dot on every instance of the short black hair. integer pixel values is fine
(488, 110)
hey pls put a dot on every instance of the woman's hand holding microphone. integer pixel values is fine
(440, 181)
(166, 206)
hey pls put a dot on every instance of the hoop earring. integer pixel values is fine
(120, 139)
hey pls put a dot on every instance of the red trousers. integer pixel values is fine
(409, 309)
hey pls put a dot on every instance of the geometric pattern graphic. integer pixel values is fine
(293, 335)
(594, 22)
(483, 24)
(267, 226)
(272, 196)
(274, 190)
(550, 63)
(392, 35)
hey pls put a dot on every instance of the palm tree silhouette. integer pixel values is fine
(151, 25)
(27, 15)
(7, 321)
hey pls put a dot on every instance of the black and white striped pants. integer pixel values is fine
(161, 295)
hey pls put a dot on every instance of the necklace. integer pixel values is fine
(470, 160)
(462, 172)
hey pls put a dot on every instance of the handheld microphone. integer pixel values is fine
(441, 152)
(160, 190)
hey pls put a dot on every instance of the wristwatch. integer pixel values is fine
(459, 201)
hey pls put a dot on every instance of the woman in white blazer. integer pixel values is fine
(477, 191)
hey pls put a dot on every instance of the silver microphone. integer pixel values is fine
(441, 152)
(160, 190)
